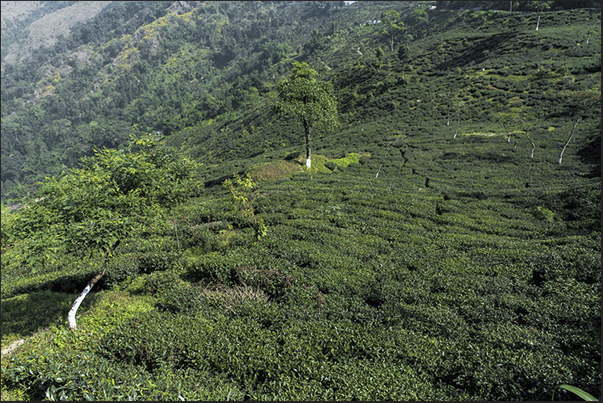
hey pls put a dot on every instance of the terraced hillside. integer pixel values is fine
(445, 244)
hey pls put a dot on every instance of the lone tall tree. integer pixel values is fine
(305, 97)
(391, 25)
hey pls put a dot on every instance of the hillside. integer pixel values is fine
(176, 68)
(29, 25)
(445, 244)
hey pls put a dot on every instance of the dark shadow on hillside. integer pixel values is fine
(221, 179)
(490, 156)
(450, 156)
(470, 157)
(478, 53)
(28, 314)
(591, 154)
(473, 195)
(72, 284)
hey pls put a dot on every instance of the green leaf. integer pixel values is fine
(584, 395)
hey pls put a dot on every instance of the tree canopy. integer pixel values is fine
(114, 194)
(312, 101)
(391, 25)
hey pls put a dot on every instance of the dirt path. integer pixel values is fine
(13, 346)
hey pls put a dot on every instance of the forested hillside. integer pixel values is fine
(184, 69)
(444, 244)
(145, 66)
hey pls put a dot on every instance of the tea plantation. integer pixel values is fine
(439, 248)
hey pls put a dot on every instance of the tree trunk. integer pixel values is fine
(533, 146)
(568, 140)
(78, 301)
(308, 150)
(538, 22)
(458, 122)
(574, 128)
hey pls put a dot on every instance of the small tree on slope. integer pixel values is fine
(310, 100)
(113, 196)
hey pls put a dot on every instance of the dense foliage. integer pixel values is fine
(437, 249)
(311, 101)
(112, 196)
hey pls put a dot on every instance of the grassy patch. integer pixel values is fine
(351, 158)
(274, 170)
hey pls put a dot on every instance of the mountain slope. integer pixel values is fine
(50, 21)
(438, 249)
(176, 68)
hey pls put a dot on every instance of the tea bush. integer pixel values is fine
(85, 376)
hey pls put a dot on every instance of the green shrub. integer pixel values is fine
(214, 266)
(122, 268)
(270, 281)
(88, 376)
(154, 283)
(544, 214)
(179, 296)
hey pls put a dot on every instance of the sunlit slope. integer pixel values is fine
(437, 250)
